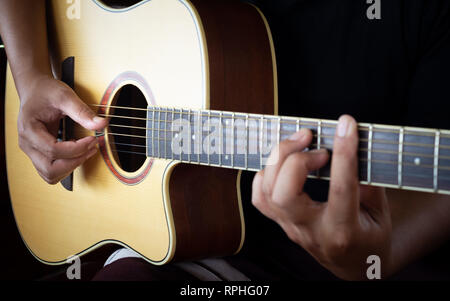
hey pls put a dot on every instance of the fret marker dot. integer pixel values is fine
(417, 161)
(226, 157)
(193, 137)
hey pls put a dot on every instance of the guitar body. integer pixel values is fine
(194, 54)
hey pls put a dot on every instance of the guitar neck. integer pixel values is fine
(389, 156)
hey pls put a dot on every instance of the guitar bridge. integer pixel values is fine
(66, 126)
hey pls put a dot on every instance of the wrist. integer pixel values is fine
(28, 83)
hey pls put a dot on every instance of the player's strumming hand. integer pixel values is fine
(341, 233)
(43, 103)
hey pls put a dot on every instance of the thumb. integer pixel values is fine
(72, 106)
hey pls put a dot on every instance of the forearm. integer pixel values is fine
(23, 29)
(420, 223)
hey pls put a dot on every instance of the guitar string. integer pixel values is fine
(404, 174)
(237, 140)
(312, 145)
(322, 136)
(304, 123)
(277, 118)
(328, 146)
(385, 162)
(391, 172)
(432, 147)
(281, 133)
(296, 123)
(382, 141)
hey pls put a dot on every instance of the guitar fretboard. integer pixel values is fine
(389, 156)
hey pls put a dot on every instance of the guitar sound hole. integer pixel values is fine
(120, 3)
(127, 129)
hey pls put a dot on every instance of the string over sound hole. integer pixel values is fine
(127, 128)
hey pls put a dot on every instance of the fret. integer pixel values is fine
(319, 138)
(269, 137)
(288, 128)
(182, 142)
(209, 137)
(227, 159)
(261, 133)
(436, 161)
(214, 132)
(204, 140)
(189, 137)
(183, 137)
(279, 130)
(165, 134)
(221, 138)
(298, 125)
(252, 149)
(246, 140)
(369, 155)
(444, 161)
(240, 138)
(166, 121)
(153, 133)
(162, 132)
(199, 135)
(400, 157)
(326, 137)
(309, 124)
(171, 133)
(167, 140)
(148, 133)
(232, 139)
(384, 149)
(363, 153)
(418, 158)
(319, 133)
(158, 132)
(175, 119)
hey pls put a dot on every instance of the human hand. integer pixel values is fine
(341, 233)
(44, 103)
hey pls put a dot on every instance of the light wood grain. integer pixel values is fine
(162, 41)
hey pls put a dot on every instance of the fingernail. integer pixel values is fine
(297, 136)
(97, 119)
(343, 126)
(321, 151)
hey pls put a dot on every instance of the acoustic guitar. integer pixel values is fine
(190, 88)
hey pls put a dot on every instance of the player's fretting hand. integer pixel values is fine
(341, 233)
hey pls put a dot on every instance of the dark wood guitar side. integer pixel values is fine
(240, 57)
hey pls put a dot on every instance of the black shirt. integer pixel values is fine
(332, 59)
